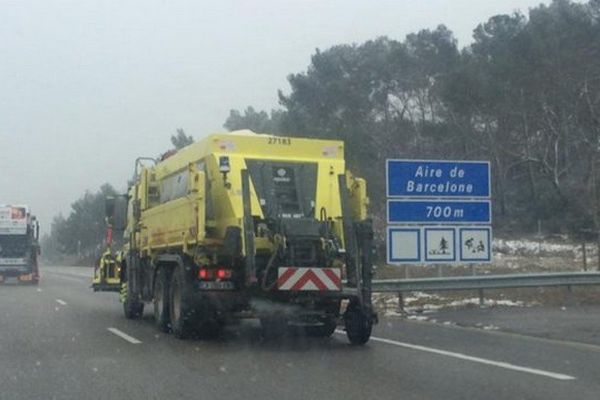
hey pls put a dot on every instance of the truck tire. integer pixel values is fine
(181, 307)
(358, 325)
(161, 305)
(133, 308)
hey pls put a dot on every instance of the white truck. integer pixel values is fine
(19, 248)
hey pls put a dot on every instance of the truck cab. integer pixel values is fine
(19, 248)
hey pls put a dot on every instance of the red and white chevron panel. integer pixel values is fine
(305, 279)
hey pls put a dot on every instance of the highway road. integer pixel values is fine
(62, 341)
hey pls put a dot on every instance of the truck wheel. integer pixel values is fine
(133, 308)
(161, 300)
(322, 331)
(358, 326)
(273, 327)
(180, 305)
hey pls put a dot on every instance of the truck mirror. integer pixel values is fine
(120, 213)
(109, 208)
(116, 212)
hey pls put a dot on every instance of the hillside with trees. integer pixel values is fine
(524, 95)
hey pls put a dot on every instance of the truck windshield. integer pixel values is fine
(13, 246)
(285, 189)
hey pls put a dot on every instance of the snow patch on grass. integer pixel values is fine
(525, 247)
(421, 303)
(417, 318)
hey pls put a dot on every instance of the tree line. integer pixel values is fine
(524, 95)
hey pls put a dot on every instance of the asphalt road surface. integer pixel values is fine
(62, 341)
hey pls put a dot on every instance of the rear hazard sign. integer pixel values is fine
(305, 279)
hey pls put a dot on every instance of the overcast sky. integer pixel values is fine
(87, 86)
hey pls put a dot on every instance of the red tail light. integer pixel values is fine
(204, 273)
(223, 273)
(207, 274)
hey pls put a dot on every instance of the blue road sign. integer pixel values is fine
(425, 178)
(438, 211)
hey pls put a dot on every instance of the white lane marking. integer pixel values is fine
(39, 290)
(123, 335)
(461, 356)
(61, 302)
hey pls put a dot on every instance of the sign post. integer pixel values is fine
(438, 212)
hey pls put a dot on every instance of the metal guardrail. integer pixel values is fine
(481, 282)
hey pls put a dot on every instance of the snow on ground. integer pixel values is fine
(525, 247)
(423, 303)
(474, 301)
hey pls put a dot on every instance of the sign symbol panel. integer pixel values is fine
(475, 244)
(404, 245)
(440, 244)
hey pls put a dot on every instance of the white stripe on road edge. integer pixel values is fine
(461, 356)
(123, 335)
(61, 302)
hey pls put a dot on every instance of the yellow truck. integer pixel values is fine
(247, 225)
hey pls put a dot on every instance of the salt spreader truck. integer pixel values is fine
(246, 225)
(19, 248)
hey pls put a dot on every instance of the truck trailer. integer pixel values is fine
(19, 248)
(246, 225)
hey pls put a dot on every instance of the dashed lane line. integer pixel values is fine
(124, 336)
(61, 302)
(500, 364)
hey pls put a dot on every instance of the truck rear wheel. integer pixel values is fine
(161, 300)
(181, 305)
(358, 325)
(133, 308)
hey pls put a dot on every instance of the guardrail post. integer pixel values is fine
(584, 254)
(481, 299)
(400, 302)
(570, 300)
(598, 247)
